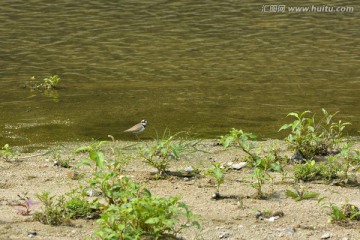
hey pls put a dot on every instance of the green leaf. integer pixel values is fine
(83, 149)
(291, 194)
(98, 157)
(285, 126)
(293, 114)
(309, 195)
(276, 167)
(311, 128)
(86, 162)
(153, 220)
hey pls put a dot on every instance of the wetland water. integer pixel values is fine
(203, 66)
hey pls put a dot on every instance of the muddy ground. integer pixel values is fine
(232, 218)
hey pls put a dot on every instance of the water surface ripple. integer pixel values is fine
(202, 66)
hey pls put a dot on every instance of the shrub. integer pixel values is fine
(308, 172)
(147, 216)
(54, 212)
(165, 149)
(309, 138)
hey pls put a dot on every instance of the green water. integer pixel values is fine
(199, 66)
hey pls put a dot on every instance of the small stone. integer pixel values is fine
(93, 193)
(271, 219)
(278, 213)
(258, 214)
(186, 179)
(189, 169)
(73, 175)
(32, 234)
(228, 164)
(290, 230)
(224, 235)
(238, 166)
(326, 235)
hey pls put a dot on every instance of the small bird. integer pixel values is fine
(138, 128)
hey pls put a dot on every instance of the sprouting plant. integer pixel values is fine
(308, 171)
(26, 204)
(349, 158)
(344, 213)
(64, 163)
(268, 163)
(51, 82)
(242, 139)
(59, 210)
(95, 155)
(309, 138)
(115, 189)
(259, 177)
(165, 149)
(48, 86)
(77, 206)
(7, 152)
(218, 173)
(300, 193)
(54, 210)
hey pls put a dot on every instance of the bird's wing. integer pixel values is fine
(133, 128)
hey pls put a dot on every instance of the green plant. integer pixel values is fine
(77, 206)
(300, 193)
(59, 210)
(218, 173)
(308, 171)
(334, 169)
(120, 160)
(350, 158)
(95, 155)
(115, 189)
(345, 213)
(145, 217)
(259, 177)
(7, 152)
(243, 141)
(309, 138)
(165, 149)
(269, 162)
(54, 210)
(51, 82)
(64, 163)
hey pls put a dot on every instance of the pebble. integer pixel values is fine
(326, 235)
(73, 175)
(224, 235)
(238, 166)
(93, 193)
(290, 230)
(271, 219)
(32, 234)
(228, 164)
(189, 169)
